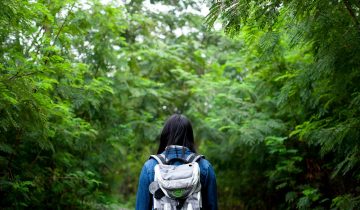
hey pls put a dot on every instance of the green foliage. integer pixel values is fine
(309, 62)
(85, 88)
(345, 202)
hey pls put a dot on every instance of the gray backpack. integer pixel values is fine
(176, 187)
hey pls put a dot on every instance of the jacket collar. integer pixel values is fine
(175, 147)
(176, 151)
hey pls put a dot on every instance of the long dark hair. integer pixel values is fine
(177, 131)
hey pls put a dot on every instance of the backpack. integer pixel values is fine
(176, 187)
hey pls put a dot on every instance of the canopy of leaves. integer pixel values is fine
(85, 87)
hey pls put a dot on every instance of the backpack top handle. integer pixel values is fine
(162, 160)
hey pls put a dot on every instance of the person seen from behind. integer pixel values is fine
(177, 178)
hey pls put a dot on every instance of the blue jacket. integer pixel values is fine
(207, 179)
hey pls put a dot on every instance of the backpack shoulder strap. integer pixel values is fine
(189, 157)
(160, 158)
(195, 157)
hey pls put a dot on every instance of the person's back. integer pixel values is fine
(177, 131)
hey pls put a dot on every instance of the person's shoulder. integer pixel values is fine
(204, 163)
(205, 166)
(150, 164)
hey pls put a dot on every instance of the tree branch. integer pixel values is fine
(34, 41)
(63, 24)
(22, 75)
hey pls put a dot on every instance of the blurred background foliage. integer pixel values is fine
(274, 97)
